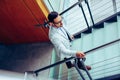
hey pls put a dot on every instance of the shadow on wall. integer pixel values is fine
(25, 57)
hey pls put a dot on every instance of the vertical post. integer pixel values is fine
(80, 5)
(83, 65)
(90, 12)
(25, 76)
(78, 70)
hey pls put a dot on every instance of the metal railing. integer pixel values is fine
(68, 59)
(93, 24)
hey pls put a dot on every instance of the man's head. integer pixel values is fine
(55, 19)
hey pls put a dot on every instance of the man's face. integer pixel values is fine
(58, 21)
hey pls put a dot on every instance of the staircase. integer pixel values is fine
(105, 62)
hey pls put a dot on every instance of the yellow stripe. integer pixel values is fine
(43, 7)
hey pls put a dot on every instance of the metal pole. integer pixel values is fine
(57, 63)
(83, 65)
(80, 5)
(70, 8)
(78, 70)
(25, 76)
(90, 12)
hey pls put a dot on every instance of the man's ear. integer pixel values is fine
(50, 24)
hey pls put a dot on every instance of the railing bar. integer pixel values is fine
(90, 12)
(60, 62)
(73, 57)
(80, 5)
(70, 8)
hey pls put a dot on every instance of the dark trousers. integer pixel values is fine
(69, 64)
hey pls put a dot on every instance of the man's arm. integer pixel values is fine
(60, 46)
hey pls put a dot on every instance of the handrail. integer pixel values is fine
(77, 3)
(57, 63)
(63, 61)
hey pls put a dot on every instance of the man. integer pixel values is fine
(61, 40)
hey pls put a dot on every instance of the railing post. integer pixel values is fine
(80, 5)
(83, 65)
(78, 70)
(86, 1)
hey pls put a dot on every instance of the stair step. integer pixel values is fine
(89, 30)
(118, 13)
(113, 19)
(99, 25)
(77, 35)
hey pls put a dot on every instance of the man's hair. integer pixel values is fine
(52, 16)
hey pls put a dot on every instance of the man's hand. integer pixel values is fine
(80, 54)
(72, 37)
